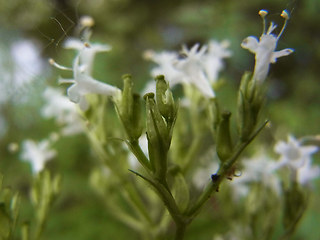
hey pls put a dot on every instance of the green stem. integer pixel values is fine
(137, 151)
(180, 231)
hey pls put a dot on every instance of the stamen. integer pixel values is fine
(53, 63)
(87, 45)
(65, 81)
(263, 13)
(285, 15)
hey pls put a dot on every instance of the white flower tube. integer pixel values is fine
(264, 48)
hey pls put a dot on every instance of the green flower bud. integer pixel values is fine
(250, 100)
(224, 142)
(158, 137)
(129, 110)
(165, 100)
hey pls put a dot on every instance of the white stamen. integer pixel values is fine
(283, 27)
(263, 13)
(53, 63)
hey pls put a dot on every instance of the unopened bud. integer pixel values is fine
(165, 100)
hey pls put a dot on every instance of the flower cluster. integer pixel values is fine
(197, 66)
(263, 169)
(83, 83)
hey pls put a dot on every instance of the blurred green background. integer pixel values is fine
(132, 27)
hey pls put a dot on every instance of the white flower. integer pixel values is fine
(197, 67)
(37, 153)
(65, 112)
(88, 51)
(212, 62)
(192, 68)
(264, 48)
(166, 66)
(83, 83)
(293, 154)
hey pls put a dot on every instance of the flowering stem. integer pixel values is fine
(164, 193)
(180, 231)
(220, 175)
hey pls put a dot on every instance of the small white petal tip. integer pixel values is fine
(263, 13)
(86, 21)
(285, 14)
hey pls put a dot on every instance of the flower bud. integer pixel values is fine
(129, 110)
(158, 137)
(250, 100)
(224, 142)
(165, 100)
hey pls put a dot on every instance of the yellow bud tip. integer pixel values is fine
(51, 61)
(87, 45)
(285, 14)
(263, 13)
(86, 21)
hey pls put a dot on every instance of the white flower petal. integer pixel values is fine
(74, 43)
(282, 53)
(251, 43)
(74, 93)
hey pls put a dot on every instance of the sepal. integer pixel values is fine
(224, 142)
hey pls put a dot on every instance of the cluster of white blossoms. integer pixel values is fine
(263, 169)
(265, 47)
(197, 66)
(82, 82)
